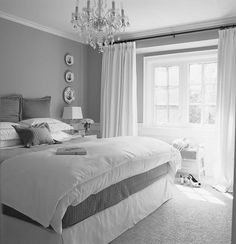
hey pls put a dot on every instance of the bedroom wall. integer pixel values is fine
(32, 64)
(94, 83)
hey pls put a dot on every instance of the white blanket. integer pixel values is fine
(42, 185)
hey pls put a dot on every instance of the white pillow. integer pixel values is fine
(54, 124)
(10, 143)
(7, 132)
(61, 136)
(7, 125)
(8, 135)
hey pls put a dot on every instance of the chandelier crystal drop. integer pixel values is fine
(98, 26)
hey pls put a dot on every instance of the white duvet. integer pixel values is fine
(42, 184)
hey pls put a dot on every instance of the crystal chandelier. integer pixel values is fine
(98, 26)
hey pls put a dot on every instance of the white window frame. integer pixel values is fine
(182, 60)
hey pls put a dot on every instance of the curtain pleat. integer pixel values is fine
(118, 91)
(226, 109)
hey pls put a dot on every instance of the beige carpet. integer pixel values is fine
(201, 216)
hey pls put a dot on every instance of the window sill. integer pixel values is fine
(177, 131)
(180, 126)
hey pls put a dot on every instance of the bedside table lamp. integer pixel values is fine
(72, 113)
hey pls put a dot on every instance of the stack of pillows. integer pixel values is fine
(36, 127)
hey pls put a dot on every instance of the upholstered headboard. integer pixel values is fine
(11, 108)
(14, 108)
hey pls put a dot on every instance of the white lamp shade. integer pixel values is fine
(72, 113)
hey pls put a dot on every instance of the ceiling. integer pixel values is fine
(147, 17)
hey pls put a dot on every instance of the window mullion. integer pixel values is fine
(184, 92)
(153, 95)
(168, 95)
(203, 95)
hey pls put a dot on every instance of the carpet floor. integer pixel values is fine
(195, 215)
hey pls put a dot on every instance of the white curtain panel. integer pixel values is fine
(119, 91)
(226, 109)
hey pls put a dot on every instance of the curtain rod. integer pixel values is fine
(176, 33)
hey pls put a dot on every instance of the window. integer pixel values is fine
(166, 96)
(202, 93)
(180, 89)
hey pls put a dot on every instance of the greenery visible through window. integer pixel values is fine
(181, 90)
(166, 94)
(202, 93)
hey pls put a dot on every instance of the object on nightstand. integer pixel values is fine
(87, 123)
(71, 114)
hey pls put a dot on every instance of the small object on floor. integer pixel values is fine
(186, 180)
(193, 181)
(181, 179)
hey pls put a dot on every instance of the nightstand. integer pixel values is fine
(193, 161)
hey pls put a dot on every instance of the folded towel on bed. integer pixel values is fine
(71, 151)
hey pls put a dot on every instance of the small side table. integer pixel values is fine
(193, 161)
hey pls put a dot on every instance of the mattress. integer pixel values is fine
(104, 199)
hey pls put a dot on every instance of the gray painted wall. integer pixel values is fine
(32, 64)
(94, 83)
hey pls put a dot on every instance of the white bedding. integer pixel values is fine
(42, 185)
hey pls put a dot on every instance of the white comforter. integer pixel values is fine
(42, 185)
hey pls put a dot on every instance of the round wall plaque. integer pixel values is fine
(69, 94)
(69, 59)
(69, 76)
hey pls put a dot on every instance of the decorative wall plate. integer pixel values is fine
(69, 59)
(69, 94)
(69, 76)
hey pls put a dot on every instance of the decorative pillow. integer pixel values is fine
(36, 107)
(34, 135)
(8, 136)
(10, 108)
(54, 124)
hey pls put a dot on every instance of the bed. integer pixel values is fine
(92, 198)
